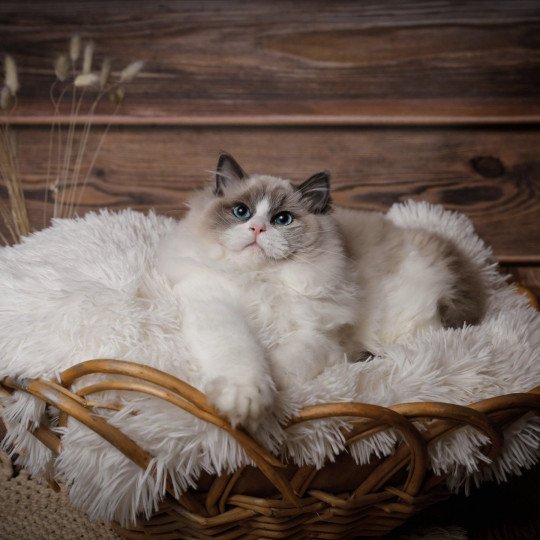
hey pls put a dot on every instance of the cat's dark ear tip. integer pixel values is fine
(322, 176)
(315, 192)
(223, 157)
(227, 170)
(223, 154)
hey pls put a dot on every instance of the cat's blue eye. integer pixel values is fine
(241, 211)
(283, 218)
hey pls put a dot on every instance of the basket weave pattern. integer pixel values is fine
(274, 499)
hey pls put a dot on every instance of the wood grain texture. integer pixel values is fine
(295, 62)
(492, 175)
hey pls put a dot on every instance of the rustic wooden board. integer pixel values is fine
(295, 62)
(493, 175)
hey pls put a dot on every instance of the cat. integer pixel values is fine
(275, 285)
(264, 283)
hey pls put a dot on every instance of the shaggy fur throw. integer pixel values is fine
(87, 288)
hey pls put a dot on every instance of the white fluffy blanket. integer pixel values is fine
(87, 288)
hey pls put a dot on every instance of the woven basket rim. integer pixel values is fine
(222, 506)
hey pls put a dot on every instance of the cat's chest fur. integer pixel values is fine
(289, 297)
(281, 300)
(277, 299)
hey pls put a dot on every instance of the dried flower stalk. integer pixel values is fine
(86, 79)
(20, 224)
(88, 56)
(15, 218)
(66, 177)
(61, 67)
(75, 47)
(105, 73)
(68, 186)
(6, 99)
(12, 79)
(131, 71)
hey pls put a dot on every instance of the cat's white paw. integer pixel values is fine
(241, 402)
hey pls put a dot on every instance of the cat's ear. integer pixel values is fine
(227, 171)
(315, 192)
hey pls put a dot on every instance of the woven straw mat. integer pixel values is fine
(30, 509)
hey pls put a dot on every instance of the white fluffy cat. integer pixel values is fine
(264, 284)
(275, 287)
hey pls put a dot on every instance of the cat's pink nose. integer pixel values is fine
(258, 228)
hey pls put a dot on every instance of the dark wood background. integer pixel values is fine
(429, 100)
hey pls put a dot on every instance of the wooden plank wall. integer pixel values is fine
(424, 100)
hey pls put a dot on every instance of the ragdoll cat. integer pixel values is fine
(264, 286)
(274, 286)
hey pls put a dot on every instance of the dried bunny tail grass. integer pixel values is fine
(117, 95)
(12, 79)
(75, 47)
(86, 79)
(88, 57)
(72, 174)
(131, 71)
(6, 99)
(61, 67)
(105, 73)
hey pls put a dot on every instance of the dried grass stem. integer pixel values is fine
(19, 224)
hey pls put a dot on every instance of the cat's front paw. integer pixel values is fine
(242, 402)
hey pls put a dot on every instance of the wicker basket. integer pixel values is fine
(273, 499)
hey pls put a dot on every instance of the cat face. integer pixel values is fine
(262, 218)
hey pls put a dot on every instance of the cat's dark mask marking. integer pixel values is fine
(315, 192)
(227, 171)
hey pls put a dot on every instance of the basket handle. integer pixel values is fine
(162, 385)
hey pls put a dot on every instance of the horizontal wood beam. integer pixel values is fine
(491, 175)
(278, 120)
